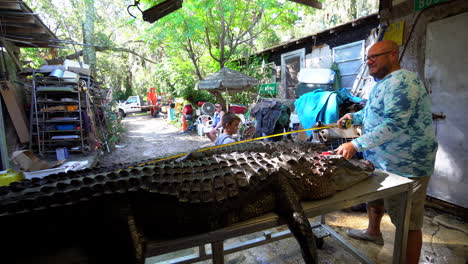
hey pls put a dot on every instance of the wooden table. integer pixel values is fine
(380, 185)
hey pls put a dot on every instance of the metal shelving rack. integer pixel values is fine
(47, 127)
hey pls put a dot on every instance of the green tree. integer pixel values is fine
(89, 52)
(214, 32)
(119, 57)
(179, 50)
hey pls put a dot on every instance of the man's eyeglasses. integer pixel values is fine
(375, 56)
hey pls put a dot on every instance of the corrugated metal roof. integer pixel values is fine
(346, 26)
(23, 28)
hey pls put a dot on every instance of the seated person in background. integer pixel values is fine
(217, 117)
(231, 125)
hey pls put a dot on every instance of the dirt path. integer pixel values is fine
(149, 137)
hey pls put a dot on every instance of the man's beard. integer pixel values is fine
(382, 72)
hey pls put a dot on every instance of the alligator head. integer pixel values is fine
(320, 176)
(345, 173)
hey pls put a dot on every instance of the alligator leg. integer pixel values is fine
(289, 209)
(138, 239)
(120, 242)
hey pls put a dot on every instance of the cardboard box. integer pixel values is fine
(301, 135)
(71, 165)
(72, 107)
(54, 108)
(29, 162)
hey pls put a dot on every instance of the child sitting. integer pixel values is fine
(230, 124)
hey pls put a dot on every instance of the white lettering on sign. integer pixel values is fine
(421, 4)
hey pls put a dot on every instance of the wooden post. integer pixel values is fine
(217, 249)
(14, 109)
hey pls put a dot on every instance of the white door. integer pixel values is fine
(446, 76)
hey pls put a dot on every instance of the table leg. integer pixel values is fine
(401, 232)
(217, 250)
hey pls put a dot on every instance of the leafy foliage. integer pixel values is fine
(113, 127)
(177, 51)
(31, 59)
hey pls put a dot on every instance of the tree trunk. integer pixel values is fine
(219, 98)
(352, 12)
(78, 54)
(128, 84)
(194, 58)
(89, 52)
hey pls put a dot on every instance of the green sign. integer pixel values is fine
(421, 4)
(268, 89)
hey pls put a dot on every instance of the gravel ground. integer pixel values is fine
(148, 138)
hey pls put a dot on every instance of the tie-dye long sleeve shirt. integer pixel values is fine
(397, 131)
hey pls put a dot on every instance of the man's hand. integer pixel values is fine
(342, 119)
(347, 150)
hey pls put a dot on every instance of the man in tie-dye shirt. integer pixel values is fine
(398, 136)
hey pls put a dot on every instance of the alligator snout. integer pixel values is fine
(349, 172)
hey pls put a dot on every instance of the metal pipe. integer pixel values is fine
(17, 13)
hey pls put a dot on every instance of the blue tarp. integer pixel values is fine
(321, 105)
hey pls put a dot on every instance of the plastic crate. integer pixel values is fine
(64, 127)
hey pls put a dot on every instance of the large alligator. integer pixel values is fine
(108, 215)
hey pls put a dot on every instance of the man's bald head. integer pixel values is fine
(384, 45)
(383, 58)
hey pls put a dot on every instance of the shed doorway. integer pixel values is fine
(291, 63)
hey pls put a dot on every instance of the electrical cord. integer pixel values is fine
(136, 3)
(414, 25)
(410, 33)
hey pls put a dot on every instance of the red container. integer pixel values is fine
(188, 109)
(237, 109)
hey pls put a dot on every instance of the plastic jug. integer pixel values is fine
(9, 176)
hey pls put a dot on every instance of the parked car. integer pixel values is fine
(133, 104)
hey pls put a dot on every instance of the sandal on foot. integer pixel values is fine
(361, 234)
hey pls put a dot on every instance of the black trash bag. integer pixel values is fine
(271, 118)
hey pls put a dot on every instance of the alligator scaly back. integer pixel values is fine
(175, 197)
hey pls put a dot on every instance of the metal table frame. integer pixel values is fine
(381, 185)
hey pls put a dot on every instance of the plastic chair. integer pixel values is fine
(204, 124)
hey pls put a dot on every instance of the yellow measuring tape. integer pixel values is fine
(230, 144)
